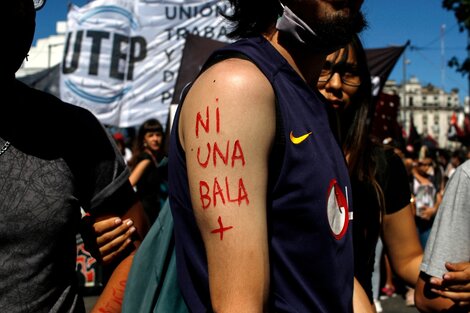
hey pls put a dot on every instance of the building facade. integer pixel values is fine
(429, 108)
(46, 53)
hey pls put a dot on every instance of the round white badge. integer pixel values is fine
(338, 211)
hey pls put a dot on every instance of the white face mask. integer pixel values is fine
(292, 25)
(430, 171)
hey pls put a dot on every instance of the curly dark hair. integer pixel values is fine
(252, 17)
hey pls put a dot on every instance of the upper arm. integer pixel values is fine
(138, 171)
(361, 302)
(398, 226)
(402, 243)
(227, 127)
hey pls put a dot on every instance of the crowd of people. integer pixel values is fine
(428, 171)
(270, 163)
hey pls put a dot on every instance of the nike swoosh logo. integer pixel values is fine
(296, 140)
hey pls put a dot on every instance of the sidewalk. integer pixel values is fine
(396, 305)
(90, 302)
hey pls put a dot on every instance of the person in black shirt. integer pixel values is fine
(149, 173)
(380, 189)
(47, 177)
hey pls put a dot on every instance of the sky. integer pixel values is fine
(421, 22)
(432, 31)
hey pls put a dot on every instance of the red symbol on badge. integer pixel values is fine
(337, 209)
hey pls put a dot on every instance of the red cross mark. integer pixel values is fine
(221, 229)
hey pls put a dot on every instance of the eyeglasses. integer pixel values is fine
(349, 75)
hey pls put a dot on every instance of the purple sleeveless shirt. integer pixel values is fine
(309, 205)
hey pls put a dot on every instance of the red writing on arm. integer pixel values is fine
(203, 164)
(115, 303)
(221, 228)
(199, 121)
(204, 194)
(217, 120)
(242, 194)
(217, 153)
(217, 117)
(218, 192)
(237, 153)
(205, 124)
(209, 195)
(225, 152)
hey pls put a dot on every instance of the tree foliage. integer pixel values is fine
(461, 9)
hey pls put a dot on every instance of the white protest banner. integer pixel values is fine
(122, 57)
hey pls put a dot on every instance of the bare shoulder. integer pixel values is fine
(236, 79)
(235, 89)
(239, 73)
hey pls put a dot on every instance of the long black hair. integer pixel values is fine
(356, 123)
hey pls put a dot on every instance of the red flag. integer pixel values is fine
(455, 133)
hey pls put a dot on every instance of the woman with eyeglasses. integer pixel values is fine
(380, 189)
